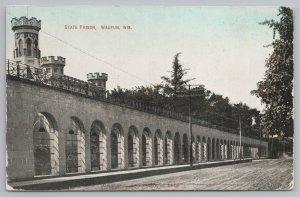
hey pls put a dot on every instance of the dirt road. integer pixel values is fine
(256, 175)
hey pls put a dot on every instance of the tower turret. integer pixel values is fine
(27, 40)
(98, 80)
(52, 65)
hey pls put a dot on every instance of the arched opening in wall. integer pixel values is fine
(75, 146)
(228, 150)
(177, 148)
(213, 149)
(225, 150)
(198, 149)
(45, 142)
(133, 147)
(204, 149)
(222, 149)
(185, 148)
(193, 149)
(158, 148)
(209, 149)
(168, 148)
(218, 150)
(146, 148)
(28, 47)
(117, 147)
(20, 50)
(231, 150)
(98, 146)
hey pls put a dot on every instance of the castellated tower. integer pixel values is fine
(52, 65)
(27, 40)
(98, 80)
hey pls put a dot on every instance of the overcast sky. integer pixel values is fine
(222, 46)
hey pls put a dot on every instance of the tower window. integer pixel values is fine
(20, 47)
(62, 71)
(28, 47)
(55, 70)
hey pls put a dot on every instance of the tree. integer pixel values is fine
(175, 82)
(276, 89)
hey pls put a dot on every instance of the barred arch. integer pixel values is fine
(213, 149)
(146, 147)
(204, 149)
(185, 148)
(75, 146)
(133, 147)
(117, 147)
(222, 149)
(209, 149)
(45, 145)
(177, 145)
(225, 150)
(198, 149)
(98, 146)
(168, 148)
(158, 148)
(218, 150)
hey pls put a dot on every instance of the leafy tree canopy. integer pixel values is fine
(276, 89)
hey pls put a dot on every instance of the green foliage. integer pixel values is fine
(175, 83)
(276, 90)
(206, 105)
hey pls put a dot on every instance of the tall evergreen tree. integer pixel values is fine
(176, 82)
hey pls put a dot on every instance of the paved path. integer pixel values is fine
(256, 175)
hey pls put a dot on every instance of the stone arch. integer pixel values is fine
(75, 146)
(168, 148)
(221, 149)
(45, 142)
(133, 147)
(225, 150)
(158, 148)
(204, 149)
(213, 149)
(98, 146)
(146, 147)
(218, 149)
(117, 147)
(177, 148)
(209, 149)
(185, 148)
(193, 153)
(198, 149)
(228, 150)
(231, 150)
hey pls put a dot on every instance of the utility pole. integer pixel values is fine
(190, 120)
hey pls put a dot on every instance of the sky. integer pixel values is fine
(223, 47)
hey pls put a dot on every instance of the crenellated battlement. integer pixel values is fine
(94, 76)
(52, 60)
(23, 22)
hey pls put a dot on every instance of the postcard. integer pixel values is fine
(149, 98)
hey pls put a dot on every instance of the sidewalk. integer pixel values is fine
(57, 183)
